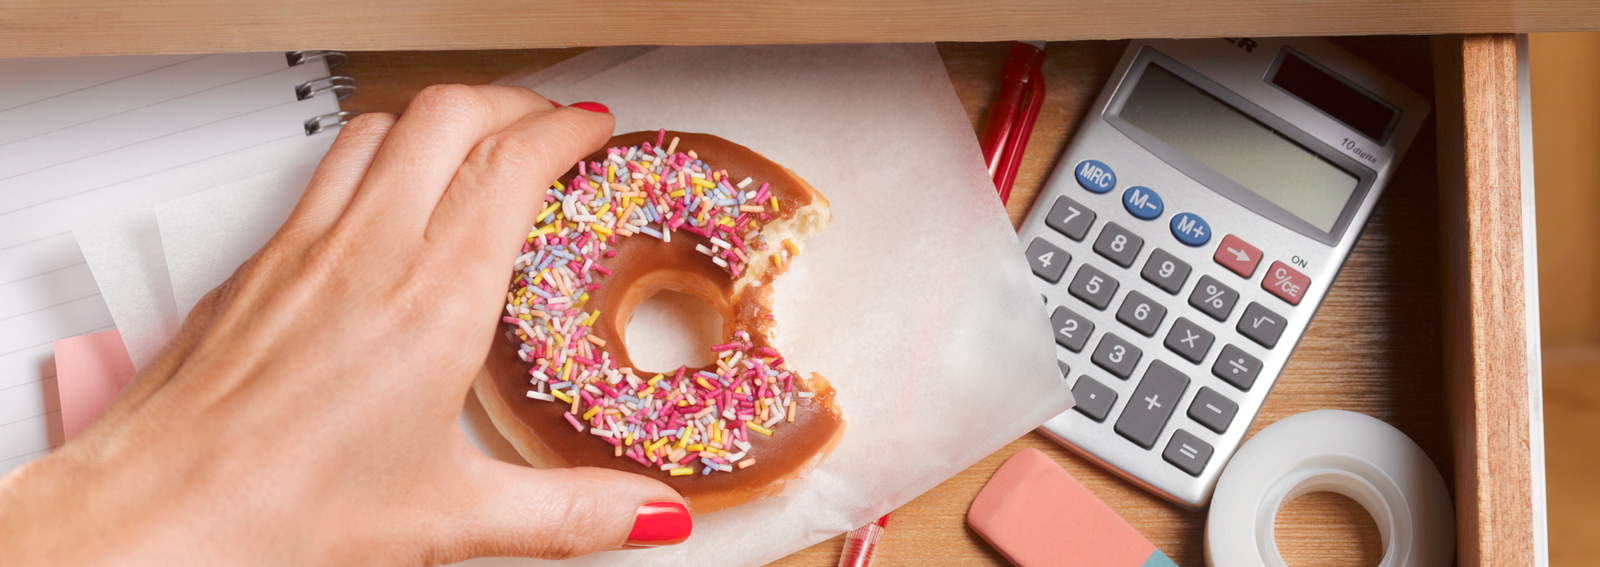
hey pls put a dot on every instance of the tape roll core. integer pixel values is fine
(1342, 452)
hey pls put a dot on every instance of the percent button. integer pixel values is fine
(1286, 283)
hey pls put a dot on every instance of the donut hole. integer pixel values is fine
(671, 329)
(1327, 529)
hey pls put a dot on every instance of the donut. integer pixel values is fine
(655, 211)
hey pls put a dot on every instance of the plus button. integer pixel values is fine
(1153, 403)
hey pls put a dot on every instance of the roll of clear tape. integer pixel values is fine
(1331, 451)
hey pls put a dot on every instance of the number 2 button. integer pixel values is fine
(1072, 330)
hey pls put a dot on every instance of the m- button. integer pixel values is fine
(1238, 256)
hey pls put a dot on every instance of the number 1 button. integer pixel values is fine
(1047, 261)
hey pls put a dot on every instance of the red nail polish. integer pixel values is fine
(553, 103)
(590, 106)
(660, 523)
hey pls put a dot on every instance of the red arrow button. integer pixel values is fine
(1238, 255)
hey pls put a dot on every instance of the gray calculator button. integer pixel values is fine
(1187, 452)
(1166, 271)
(1236, 367)
(1070, 218)
(1066, 371)
(1118, 244)
(1151, 404)
(1141, 313)
(1115, 355)
(1262, 325)
(1189, 340)
(1093, 286)
(1072, 330)
(1212, 410)
(1093, 398)
(1047, 261)
(1213, 298)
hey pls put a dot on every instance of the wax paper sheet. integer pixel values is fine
(914, 303)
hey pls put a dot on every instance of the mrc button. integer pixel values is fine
(1095, 176)
(1142, 202)
(1286, 283)
(1190, 229)
(1238, 256)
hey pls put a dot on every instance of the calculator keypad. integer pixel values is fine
(1176, 322)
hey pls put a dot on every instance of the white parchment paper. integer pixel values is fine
(915, 303)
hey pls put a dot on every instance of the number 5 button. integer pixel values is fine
(1047, 261)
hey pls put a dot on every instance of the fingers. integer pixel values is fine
(427, 144)
(337, 177)
(558, 513)
(501, 187)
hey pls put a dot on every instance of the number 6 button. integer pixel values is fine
(1141, 313)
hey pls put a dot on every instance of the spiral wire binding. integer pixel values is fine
(340, 85)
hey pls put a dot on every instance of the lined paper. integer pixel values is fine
(83, 137)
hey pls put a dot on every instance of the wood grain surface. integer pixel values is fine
(1485, 320)
(96, 27)
(1374, 347)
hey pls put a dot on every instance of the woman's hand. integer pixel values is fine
(306, 413)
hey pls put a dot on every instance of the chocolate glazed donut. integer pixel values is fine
(748, 405)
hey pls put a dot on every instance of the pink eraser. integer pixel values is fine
(1035, 514)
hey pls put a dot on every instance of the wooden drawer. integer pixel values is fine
(1425, 328)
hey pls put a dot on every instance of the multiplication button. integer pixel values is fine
(1070, 218)
(1188, 340)
(1048, 261)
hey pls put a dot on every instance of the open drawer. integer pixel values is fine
(1427, 327)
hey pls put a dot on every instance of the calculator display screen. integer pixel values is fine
(1239, 147)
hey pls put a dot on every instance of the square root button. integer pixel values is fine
(1286, 283)
(1237, 256)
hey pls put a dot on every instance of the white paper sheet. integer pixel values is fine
(914, 303)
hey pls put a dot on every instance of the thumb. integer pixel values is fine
(559, 513)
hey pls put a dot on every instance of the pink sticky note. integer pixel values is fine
(90, 371)
(1035, 514)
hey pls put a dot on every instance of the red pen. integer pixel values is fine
(862, 543)
(1011, 119)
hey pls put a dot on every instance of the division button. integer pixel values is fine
(1118, 244)
(1071, 329)
(1048, 261)
(1070, 218)
(1213, 298)
(1286, 283)
(1237, 255)
(1166, 271)
(1151, 404)
(1212, 410)
(1093, 398)
(1095, 176)
(1093, 287)
(1189, 340)
(1187, 452)
(1262, 325)
(1142, 203)
(1237, 367)
(1190, 229)
(1115, 355)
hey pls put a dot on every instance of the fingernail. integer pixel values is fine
(554, 103)
(590, 106)
(659, 523)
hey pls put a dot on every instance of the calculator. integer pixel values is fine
(1189, 233)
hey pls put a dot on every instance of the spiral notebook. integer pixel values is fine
(81, 138)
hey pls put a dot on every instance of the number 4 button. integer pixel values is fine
(1047, 261)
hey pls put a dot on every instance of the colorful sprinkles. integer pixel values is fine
(678, 421)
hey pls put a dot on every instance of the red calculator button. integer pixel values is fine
(1238, 255)
(1284, 282)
